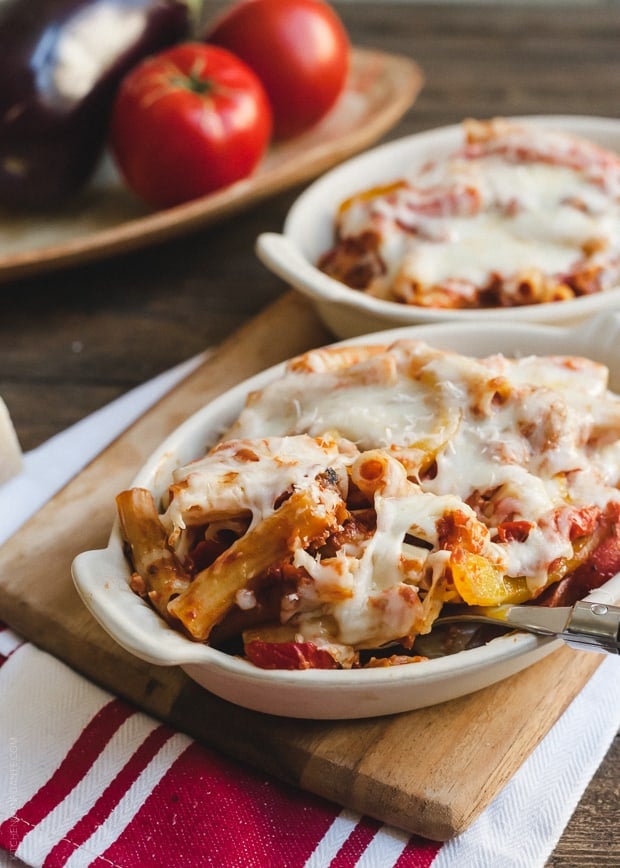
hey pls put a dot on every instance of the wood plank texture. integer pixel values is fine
(375, 766)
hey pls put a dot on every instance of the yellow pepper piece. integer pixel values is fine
(481, 583)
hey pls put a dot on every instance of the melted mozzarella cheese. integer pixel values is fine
(248, 476)
(371, 405)
(544, 231)
(494, 441)
(470, 219)
(528, 451)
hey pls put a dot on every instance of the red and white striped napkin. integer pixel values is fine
(86, 779)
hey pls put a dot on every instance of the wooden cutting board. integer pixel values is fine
(429, 772)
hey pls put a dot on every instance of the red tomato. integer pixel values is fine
(188, 121)
(298, 48)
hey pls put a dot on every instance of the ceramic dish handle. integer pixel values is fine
(280, 255)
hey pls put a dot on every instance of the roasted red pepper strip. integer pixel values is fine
(289, 655)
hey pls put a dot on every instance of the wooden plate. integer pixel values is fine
(107, 219)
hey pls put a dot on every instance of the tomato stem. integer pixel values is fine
(194, 83)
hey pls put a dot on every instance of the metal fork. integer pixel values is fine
(588, 625)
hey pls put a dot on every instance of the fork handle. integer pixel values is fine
(594, 626)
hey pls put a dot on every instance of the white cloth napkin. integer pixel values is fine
(520, 828)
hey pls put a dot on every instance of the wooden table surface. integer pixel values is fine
(72, 340)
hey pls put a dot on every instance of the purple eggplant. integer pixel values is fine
(61, 62)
